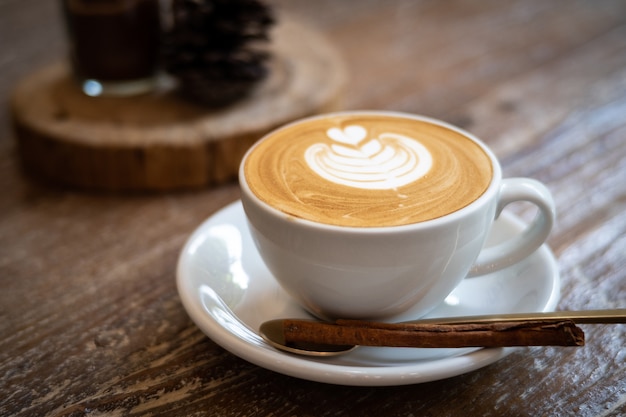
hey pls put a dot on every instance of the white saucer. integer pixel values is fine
(228, 292)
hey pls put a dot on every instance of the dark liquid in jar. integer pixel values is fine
(113, 40)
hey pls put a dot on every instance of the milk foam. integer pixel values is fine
(355, 160)
(367, 170)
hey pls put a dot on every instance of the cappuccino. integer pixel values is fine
(367, 170)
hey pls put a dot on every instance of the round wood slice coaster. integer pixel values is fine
(159, 141)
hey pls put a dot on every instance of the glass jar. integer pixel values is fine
(114, 45)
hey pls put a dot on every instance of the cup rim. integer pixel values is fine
(483, 199)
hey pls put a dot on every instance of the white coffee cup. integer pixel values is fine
(337, 271)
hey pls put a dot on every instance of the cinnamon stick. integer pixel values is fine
(499, 334)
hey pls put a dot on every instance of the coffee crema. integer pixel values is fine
(365, 170)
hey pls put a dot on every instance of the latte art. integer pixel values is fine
(355, 160)
(367, 170)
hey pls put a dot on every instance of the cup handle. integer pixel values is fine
(523, 245)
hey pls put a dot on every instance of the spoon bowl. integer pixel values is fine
(272, 333)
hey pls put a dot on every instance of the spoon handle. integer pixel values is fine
(617, 315)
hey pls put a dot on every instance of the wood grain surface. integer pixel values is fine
(91, 323)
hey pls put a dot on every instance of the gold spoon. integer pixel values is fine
(272, 331)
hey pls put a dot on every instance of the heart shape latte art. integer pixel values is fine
(351, 135)
(351, 158)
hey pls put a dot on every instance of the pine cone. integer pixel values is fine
(213, 48)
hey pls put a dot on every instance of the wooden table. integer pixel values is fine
(91, 321)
